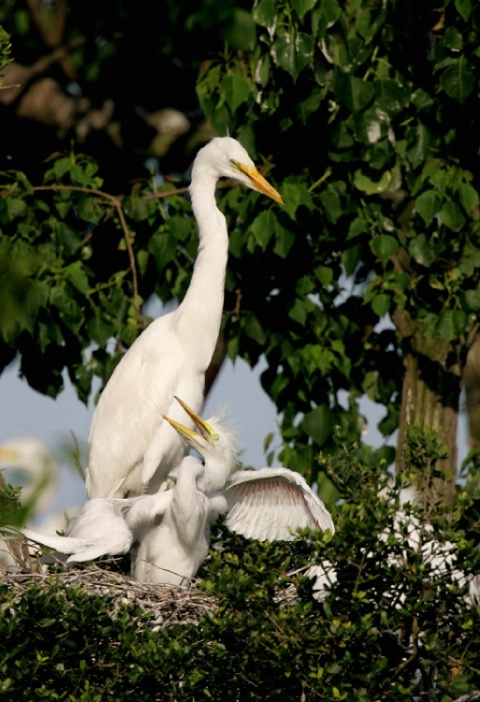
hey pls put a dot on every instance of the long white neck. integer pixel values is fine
(200, 313)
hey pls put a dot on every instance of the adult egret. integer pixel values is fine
(265, 504)
(130, 448)
(416, 536)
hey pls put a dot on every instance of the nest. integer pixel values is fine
(163, 605)
(158, 606)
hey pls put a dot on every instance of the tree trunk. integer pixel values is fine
(430, 400)
(471, 379)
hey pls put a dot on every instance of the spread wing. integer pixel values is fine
(269, 504)
(83, 549)
(97, 530)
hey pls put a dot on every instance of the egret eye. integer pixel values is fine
(233, 163)
(215, 437)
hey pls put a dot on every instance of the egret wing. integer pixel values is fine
(84, 549)
(269, 504)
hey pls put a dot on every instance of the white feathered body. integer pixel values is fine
(130, 445)
(139, 392)
(173, 551)
(99, 529)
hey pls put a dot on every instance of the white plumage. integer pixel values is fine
(130, 447)
(173, 527)
(173, 551)
(269, 504)
(99, 529)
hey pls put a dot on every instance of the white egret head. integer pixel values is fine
(214, 441)
(224, 157)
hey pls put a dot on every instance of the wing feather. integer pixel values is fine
(269, 504)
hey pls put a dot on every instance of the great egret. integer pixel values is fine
(130, 448)
(263, 504)
(267, 504)
(440, 558)
(98, 529)
(172, 552)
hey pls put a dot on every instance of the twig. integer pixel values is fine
(115, 201)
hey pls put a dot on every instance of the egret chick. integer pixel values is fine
(99, 529)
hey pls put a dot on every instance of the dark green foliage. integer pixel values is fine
(366, 115)
(390, 619)
(363, 113)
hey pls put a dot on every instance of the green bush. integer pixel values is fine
(391, 626)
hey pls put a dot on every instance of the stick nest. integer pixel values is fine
(163, 605)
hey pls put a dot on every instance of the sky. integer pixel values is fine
(25, 412)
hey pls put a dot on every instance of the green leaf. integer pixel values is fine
(370, 125)
(333, 202)
(370, 185)
(357, 227)
(330, 12)
(265, 14)
(142, 260)
(355, 93)
(303, 6)
(458, 79)
(295, 195)
(464, 7)
(90, 210)
(468, 197)
(77, 276)
(263, 228)
(284, 239)
(427, 205)
(207, 88)
(62, 166)
(391, 96)
(293, 51)
(163, 246)
(351, 259)
(310, 105)
(384, 246)
(421, 100)
(418, 144)
(15, 207)
(100, 329)
(237, 90)
(324, 275)
(298, 312)
(254, 329)
(451, 324)
(181, 227)
(451, 215)
(381, 304)
(472, 298)
(422, 250)
(318, 424)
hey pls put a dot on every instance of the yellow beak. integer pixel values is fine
(203, 427)
(259, 183)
